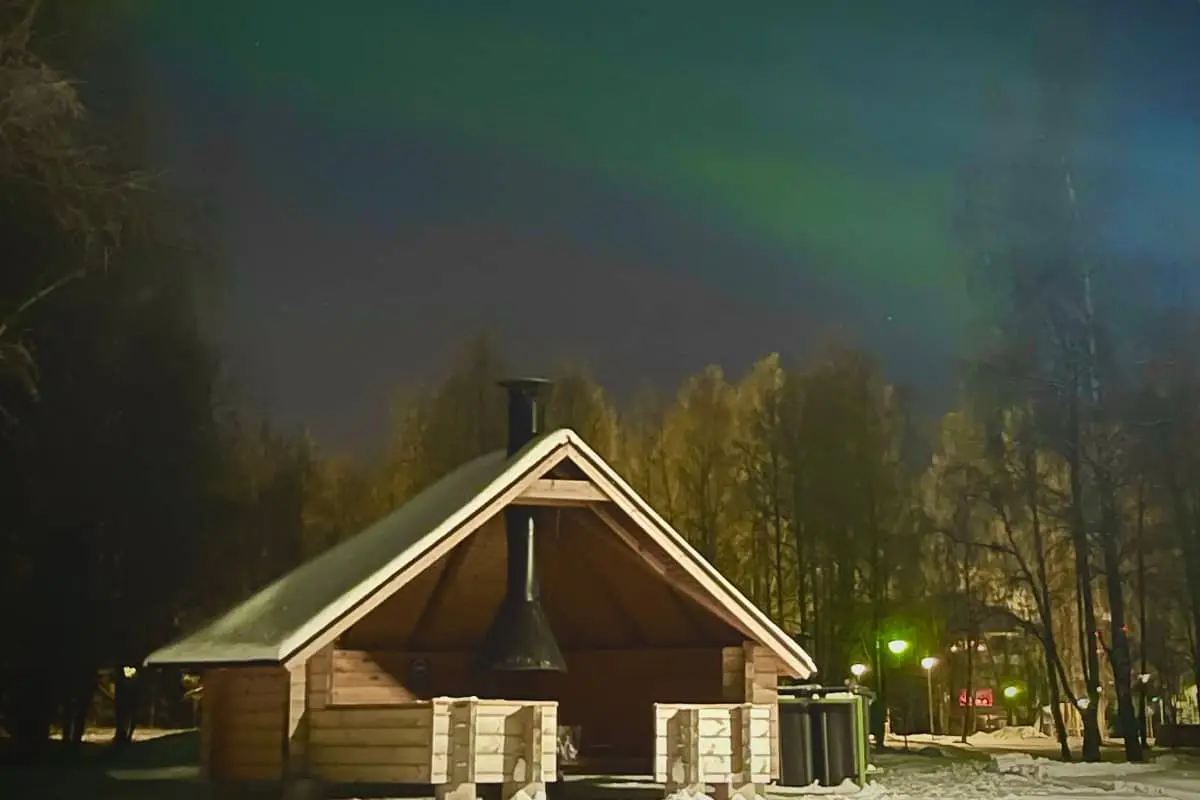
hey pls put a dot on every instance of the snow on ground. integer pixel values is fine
(989, 768)
(1021, 738)
(1018, 776)
(1005, 777)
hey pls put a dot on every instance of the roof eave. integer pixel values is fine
(212, 658)
(783, 646)
(183, 652)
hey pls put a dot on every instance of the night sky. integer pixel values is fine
(646, 187)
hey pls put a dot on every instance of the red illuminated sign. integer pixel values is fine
(983, 698)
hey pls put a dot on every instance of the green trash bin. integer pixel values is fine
(822, 736)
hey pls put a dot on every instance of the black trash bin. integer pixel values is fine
(822, 736)
(795, 742)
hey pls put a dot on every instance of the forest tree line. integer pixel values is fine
(1063, 491)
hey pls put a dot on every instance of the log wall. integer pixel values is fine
(382, 677)
(749, 674)
(446, 740)
(209, 692)
(296, 724)
(352, 713)
(500, 741)
(720, 744)
(609, 694)
(247, 718)
(396, 744)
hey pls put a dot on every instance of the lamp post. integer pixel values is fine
(897, 647)
(1010, 694)
(927, 664)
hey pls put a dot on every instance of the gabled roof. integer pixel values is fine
(321, 598)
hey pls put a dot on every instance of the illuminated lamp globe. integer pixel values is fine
(928, 663)
(897, 647)
(858, 670)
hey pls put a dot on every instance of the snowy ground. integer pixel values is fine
(991, 767)
(1016, 776)
(1022, 739)
(1006, 776)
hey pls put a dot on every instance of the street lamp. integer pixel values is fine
(897, 647)
(927, 664)
(1010, 694)
(858, 670)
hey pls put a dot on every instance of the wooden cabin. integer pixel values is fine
(362, 664)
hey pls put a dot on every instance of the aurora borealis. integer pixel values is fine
(645, 186)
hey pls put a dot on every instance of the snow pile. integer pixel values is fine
(1174, 761)
(1059, 770)
(1042, 769)
(961, 781)
(1013, 733)
(1016, 776)
(847, 788)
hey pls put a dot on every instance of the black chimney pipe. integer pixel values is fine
(526, 410)
(520, 639)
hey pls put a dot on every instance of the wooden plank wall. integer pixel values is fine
(249, 714)
(610, 694)
(381, 677)
(375, 745)
(355, 742)
(296, 726)
(721, 743)
(210, 681)
(749, 674)
(503, 741)
(420, 742)
(318, 678)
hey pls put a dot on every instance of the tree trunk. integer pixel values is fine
(77, 706)
(1060, 724)
(878, 594)
(969, 709)
(1186, 531)
(1119, 658)
(1083, 585)
(31, 712)
(1045, 604)
(1142, 622)
(777, 533)
(124, 707)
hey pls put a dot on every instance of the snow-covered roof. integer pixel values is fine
(286, 616)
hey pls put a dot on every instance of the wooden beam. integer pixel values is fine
(677, 577)
(441, 589)
(751, 620)
(426, 560)
(616, 601)
(613, 542)
(560, 493)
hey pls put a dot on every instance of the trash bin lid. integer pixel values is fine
(803, 690)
